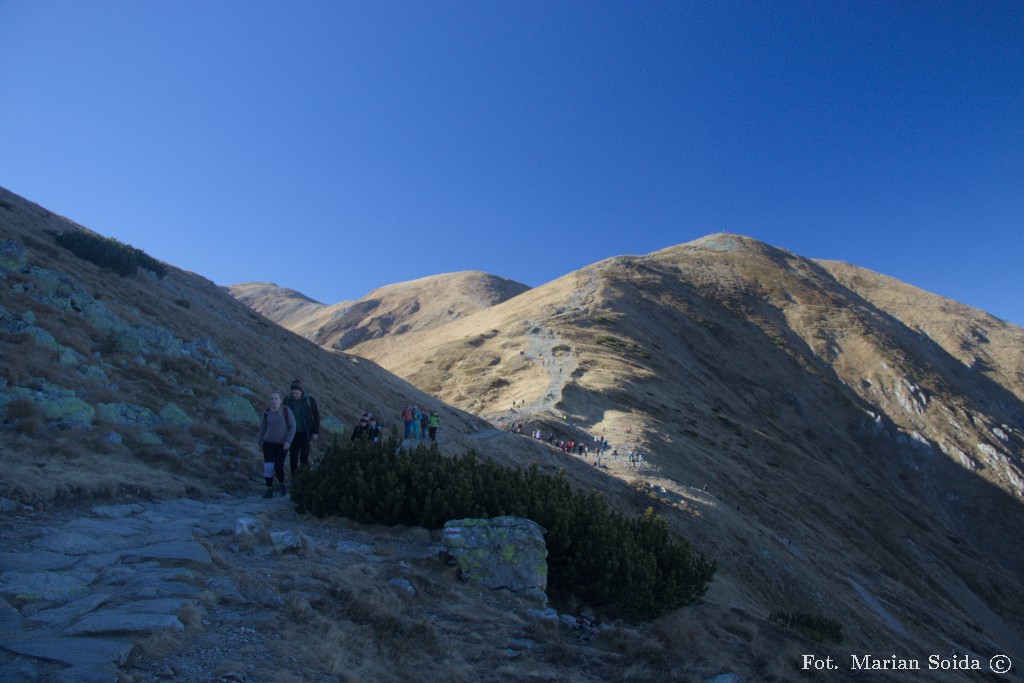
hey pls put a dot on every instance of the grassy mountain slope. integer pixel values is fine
(153, 385)
(859, 441)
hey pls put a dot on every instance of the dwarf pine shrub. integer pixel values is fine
(109, 253)
(631, 567)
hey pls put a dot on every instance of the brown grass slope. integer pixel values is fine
(391, 311)
(860, 440)
(240, 354)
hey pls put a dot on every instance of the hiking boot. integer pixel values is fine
(269, 493)
(283, 489)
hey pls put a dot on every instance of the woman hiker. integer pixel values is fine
(277, 429)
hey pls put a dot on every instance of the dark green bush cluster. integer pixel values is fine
(631, 567)
(109, 253)
(613, 342)
(813, 626)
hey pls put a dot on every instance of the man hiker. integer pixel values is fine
(407, 418)
(307, 425)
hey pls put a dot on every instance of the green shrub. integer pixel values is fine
(561, 348)
(108, 253)
(813, 626)
(613, 342)
(631, 567)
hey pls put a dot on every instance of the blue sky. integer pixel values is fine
(334, 147)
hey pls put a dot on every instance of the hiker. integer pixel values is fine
(432, 424)
(407, 417)
(362, 430)
(424, 425)
(307, 425)
(373, 430)
(416, 417)
(277, 428)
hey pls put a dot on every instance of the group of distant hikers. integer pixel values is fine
(419, 423)
(291, 424)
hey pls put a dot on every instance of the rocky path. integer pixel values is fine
(246, 590)
(80, 589)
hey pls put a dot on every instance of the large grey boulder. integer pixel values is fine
(503, 552)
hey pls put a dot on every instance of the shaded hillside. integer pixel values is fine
(153, 384)
(860, 441)
(390, 311)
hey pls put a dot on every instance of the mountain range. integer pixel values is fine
(853, 442)
(843, 444)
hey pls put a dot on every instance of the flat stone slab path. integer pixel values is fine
(77, 588)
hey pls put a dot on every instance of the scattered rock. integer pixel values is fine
(71, 651)
(41, 585)
(122, 621)
(403, 585)
(246, 527)
(286, 541)
(503, 552)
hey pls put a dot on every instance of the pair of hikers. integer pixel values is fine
(289, 426)
(368, 428)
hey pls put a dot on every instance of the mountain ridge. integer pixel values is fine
(802, 371)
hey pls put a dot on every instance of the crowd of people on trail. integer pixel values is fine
(599, 449)
(290, 426)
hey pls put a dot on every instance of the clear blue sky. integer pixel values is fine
(334, 147)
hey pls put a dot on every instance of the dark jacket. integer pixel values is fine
(307, 413)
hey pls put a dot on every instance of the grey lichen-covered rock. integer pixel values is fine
(44, 338)
(13, 257)
(93, 372)
(13, 323)
(69, 410)
(128, 415)
(238, 409)
(503, 552)
(332, 425)
(286, 541)
(247, 527)
(149, 439)
(174, 415)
